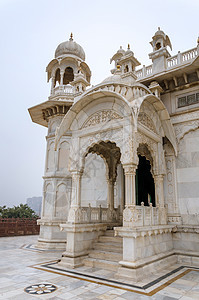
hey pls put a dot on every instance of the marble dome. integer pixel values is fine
(70, 47)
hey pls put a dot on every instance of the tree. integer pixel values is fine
(20, 211)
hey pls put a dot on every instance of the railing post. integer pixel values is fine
(144, 71)
(89, 213)
(100, 213)
(151, 213)
(179, 58)
(143, 213)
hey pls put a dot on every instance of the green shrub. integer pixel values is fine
(20, 211)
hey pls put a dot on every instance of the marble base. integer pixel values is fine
(138, 273)
(80, 239)
(72, 262)
(145, 249)
(50, 236)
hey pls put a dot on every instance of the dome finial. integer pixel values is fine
(71, 37)
(128, 46)
(159, 28)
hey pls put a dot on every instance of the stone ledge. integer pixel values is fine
(146, 261)
(49, 222)
(83, 227)
(143, 231)
(51, 241)
(186, 229)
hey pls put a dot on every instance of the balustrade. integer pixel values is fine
(144, 216)
(62, 89)
(172, 62)
(99, 215)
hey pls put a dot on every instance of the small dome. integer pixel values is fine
(159, 32)
(113, 78)
(70, 47)
(128, 51)
(121, 50)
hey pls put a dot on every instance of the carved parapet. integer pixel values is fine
(174, 219)
(143, 231)
(74, 215)
(138, 216)
(88, 215)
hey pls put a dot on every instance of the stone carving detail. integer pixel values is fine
(130, 215)
(182, 129)
(101, 117)
(114, 136)
(146, 121)
(174, 219)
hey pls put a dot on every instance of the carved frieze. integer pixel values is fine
(144, 119)
(101, 117)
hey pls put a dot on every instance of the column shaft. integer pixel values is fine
(159, 190)
(130, 196)
(76, 190)
(110, 199)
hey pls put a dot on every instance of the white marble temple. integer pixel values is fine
(123, 154)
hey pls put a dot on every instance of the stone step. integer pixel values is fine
(102, 264)
(105, 255)
(110, 239)
(109, 233)
(110, 247)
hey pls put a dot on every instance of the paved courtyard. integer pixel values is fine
(26, 273)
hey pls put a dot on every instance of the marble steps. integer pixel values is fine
(109, 233)
(110, 239)
(105, 255)
(109, 247)
(101, 263)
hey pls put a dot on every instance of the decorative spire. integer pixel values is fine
(128, 46)
(71, 37)
(159, 28)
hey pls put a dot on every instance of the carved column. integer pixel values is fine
(159, 190)
(76, 189)
(130, 196)
(74, 215)
(110, 198)
(52, 84)
(61, 77)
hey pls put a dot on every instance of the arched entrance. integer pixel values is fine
(102, 181)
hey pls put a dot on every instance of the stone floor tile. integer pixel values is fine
(66, 296)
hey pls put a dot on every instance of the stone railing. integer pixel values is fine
(144, 72)
(147, 215)
(62, 89)
(172, 62)
(99, 215)
(181, 58)
(125, 90)
(144, 216)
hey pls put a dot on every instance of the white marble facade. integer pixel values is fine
(100, 142)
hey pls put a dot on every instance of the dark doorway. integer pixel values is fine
(68, 76)
(145, 189)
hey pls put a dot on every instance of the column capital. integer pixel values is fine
(130, 169)
(159, 176)
(76, 172)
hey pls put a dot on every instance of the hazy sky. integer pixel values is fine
(30, 31)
